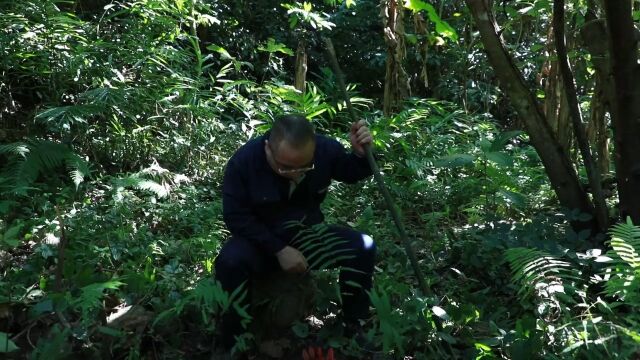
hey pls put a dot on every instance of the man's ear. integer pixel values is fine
(267, 148)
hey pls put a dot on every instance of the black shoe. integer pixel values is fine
(222, 349)
(355, 331)
(222, 354)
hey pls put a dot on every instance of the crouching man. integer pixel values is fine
(282, 177)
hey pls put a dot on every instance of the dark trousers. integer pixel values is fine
(350, 250)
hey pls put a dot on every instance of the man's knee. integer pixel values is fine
(364, 248)
(227, 264)
(233, 263)
(368, 245)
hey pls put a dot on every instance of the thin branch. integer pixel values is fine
(62, 245)
(576, 117)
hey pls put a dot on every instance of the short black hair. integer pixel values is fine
(296, 129)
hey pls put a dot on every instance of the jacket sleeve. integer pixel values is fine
(237, 214)
(347, 166)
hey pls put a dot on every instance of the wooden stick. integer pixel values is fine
(377, 175)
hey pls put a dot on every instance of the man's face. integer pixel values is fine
(288, 161)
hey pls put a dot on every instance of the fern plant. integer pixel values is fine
(390, 325)
(210, 299)
(33, 158)
(577, 322)
(91, 296)
(541, 274)
(319, 244)
(154, 179)
(624, 267)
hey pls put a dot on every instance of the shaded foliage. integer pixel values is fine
(116, 120)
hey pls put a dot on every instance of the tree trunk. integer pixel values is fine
(396, 85)
(597, 128)
(595, 40)
(555, 100)
(301, 66)
(625, 110)
(423, 48)
(556, 162)
(576, 117)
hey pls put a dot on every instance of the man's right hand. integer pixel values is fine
(291, 260)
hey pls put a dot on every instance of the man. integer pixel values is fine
(282, 177)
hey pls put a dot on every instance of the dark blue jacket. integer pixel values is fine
(255, 200)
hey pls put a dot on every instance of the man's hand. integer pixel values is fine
(360, 136)
(292, 260)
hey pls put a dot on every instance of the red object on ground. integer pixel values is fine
(316, 353)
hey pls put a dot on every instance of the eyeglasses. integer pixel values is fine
(284, 169)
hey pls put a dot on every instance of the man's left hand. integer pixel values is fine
(360, 137)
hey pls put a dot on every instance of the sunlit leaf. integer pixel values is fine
(224, 54)
(272, 47)
(442, 27)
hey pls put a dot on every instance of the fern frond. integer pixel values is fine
(91, 294)
(623, 272)
(103, 96)
(135, 181)
(321, 246)
(540, 272)
(388, 323)
(68, 114)
(625, 241)
(158, 189)
(42, 156)
(18, 148)
(210, 298)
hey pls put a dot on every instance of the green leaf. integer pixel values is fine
(485, 145)
(273, 47)
(503, 139)
(500, 158)
(411, 38)
(6, 345)
(517, 199)
(481, 346)
(454, 160)
(442, 27)
(111, 331)
(10, 236)
(42, 307)
(224, 54)
(448, 338)
(494, 341)
(300, 329)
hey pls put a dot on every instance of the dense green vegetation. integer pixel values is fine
(117, 118)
